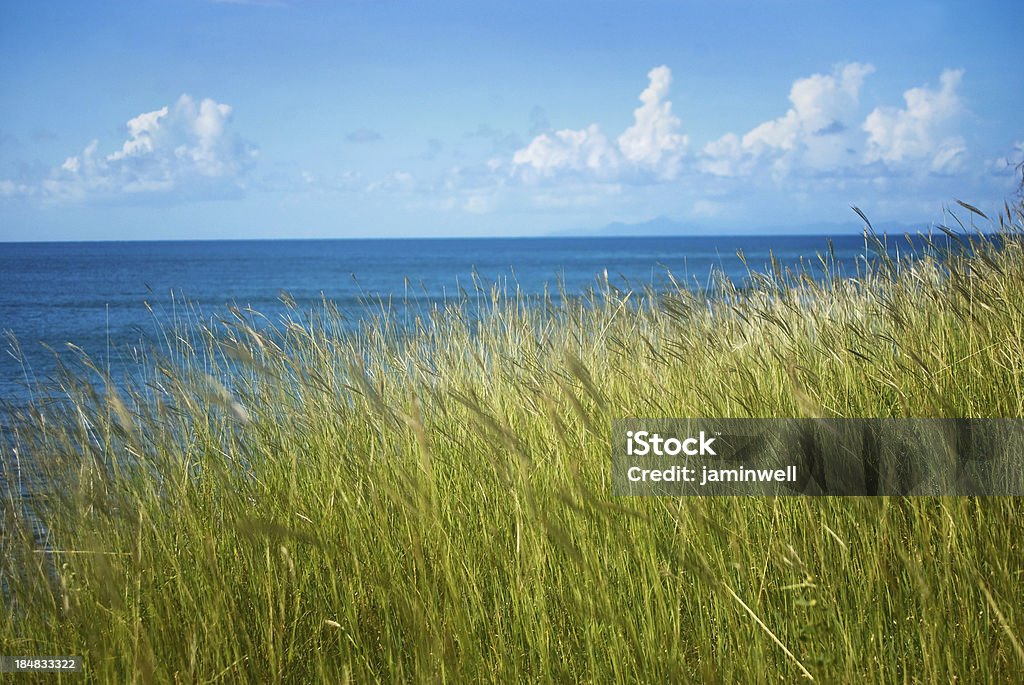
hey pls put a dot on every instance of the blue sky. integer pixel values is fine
(201, 119)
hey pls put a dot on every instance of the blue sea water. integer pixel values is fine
(95, 294)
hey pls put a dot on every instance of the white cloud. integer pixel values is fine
(652, 145)
(186, 148)
(478, 204)
(821, 103)
(654, 141)
(142, 130)
(725, 157)
(827, 143)
(1010, 159)
(819, 135)
(12, 189)
(586, 151)
(950, 156)
(395, 181)
(920, 130)
(815, 133)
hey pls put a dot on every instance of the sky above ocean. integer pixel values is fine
(195, 119)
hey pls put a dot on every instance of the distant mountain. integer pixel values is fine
(664, 226)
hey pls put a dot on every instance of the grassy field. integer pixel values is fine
(290, 501)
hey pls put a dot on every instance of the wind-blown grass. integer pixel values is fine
(291, 501)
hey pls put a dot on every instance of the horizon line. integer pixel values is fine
(544, 236)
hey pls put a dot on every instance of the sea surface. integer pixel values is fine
(103, 296)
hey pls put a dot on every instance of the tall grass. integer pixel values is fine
(291, 501)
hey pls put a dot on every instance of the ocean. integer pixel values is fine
(102, 296)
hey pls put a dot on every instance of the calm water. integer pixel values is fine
(94, 293)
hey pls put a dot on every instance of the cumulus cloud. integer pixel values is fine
(816, 132)
(820, 104)
(820, 134)
(654, 142)
(395, 181)
(1010, 159)
(586, 151)
(653, 145)
(9, 188)
(181, 148)
(826, 143)
(920, 130)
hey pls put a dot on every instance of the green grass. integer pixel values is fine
(378, 507)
